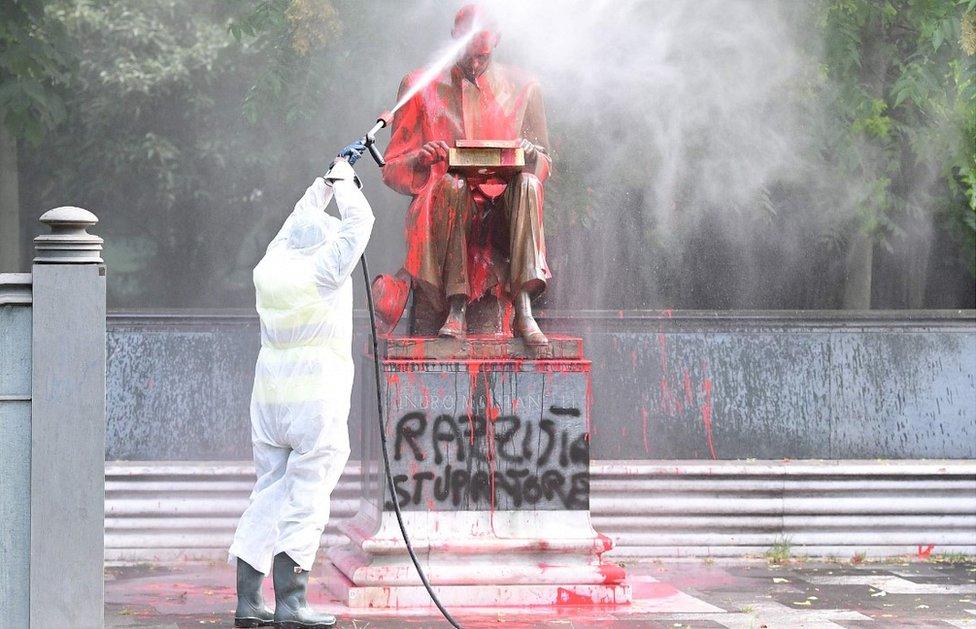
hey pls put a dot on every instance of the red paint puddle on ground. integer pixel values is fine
(652, 589)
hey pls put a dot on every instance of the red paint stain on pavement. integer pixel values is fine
(653, 589)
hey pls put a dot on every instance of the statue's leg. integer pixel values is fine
(451, 211)
(527, 251)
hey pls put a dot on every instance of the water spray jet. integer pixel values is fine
(369, 140)
(385, 118)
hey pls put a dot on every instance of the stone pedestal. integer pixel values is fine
(490, 451)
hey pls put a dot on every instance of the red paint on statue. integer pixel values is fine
(502, 103)
(507, 316)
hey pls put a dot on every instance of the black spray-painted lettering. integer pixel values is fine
(511, 462)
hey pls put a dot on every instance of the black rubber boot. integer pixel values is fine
(291, 606)
(251, 610)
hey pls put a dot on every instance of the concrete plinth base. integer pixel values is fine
(490, 458)
(416, 596)
(477, 558)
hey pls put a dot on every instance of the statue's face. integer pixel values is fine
(477, 55)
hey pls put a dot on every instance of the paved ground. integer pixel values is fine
(692, 593)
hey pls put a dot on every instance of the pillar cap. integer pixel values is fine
(69, 241)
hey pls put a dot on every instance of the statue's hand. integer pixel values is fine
(433, 152)
(529, 149)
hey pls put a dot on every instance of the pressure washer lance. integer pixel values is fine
(370, 138)
(370, 141)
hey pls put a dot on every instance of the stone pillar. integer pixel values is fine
(489, 445)
(67, 483)
(15, 445)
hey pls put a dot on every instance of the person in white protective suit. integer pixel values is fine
(300, 401)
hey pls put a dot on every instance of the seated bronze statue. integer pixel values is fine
(474, 230)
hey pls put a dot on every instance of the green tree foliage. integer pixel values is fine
(904, 89)
(292, 39)
(33, 65)
(190, 127)
(154, 140)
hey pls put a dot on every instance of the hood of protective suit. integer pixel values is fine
(310, 231)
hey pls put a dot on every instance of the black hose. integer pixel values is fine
(386, 456)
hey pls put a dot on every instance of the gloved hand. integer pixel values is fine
(353, 152)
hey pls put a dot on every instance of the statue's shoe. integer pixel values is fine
(452, 328)
(529, 330)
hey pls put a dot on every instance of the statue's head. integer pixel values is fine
(477, 55)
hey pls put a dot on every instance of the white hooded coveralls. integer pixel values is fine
(304, 372)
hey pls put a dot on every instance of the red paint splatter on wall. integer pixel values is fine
(645, 421)
(706, 415)
(588, 410)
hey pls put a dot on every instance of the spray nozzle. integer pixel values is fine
(369, 139)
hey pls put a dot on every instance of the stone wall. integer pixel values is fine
(666, 385)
